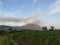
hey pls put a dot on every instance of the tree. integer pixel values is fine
(44, 28)
(10, 29)
(51, 28)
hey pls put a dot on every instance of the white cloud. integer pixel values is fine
(8, 18)
(12, 23)
(35, 14)
(33, 17)
(53, 22)
(18, 11)
(56, 3)
(15, 13)
(6, 14)
(54, 8)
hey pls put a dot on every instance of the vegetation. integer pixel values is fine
(51, 28)
(44, 28)
(29, 37)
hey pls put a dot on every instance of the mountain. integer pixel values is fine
(4, 27)
(31, 26)
(27, 26)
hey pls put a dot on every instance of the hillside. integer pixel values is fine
(5, 27)
(27, 26)
(31, 27)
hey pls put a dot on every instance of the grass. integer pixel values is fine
(30, 37)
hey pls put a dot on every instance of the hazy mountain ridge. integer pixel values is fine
(27, 26)
(5, 27)
(31, 26)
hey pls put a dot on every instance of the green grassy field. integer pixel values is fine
(29, 37)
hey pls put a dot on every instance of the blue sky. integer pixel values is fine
(19, 12)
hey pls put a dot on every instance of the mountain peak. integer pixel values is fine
(31, 26)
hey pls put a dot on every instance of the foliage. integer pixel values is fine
(51, 28)
(30, 37)
(44, 28)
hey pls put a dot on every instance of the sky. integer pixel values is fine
(21, 12)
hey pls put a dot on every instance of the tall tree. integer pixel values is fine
(44, 28)
(51, 28)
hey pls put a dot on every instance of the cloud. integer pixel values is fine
(7, 14)
(56, 3)
(33, 17)
(7, 18)
(12, 23)
(35, 14)
(55, 23)
(48, 20)
(18, 11)
(54, 8)
(15, 13)
(10, 19)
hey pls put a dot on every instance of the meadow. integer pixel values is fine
(29, 37)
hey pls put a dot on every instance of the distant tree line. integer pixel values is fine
(45, 28)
